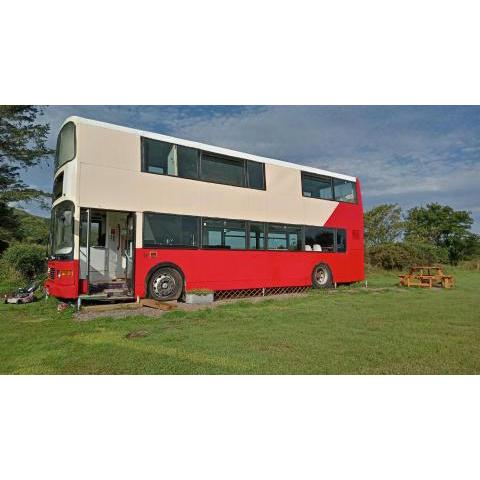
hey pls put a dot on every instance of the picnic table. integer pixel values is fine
(426, 277)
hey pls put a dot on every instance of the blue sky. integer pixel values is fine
(405, 155)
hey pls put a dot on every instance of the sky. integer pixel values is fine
(406, 155)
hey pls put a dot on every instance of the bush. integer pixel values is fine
(473, 264)
(398, 256)
(26, 259)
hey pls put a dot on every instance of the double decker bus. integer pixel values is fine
(138, 214)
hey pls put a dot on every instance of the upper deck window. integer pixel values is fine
(165, 158)
(66, 145)
(316, 186)
(256, 175)
(344, 190)
(168, 159)
(223, 170)
(328, 188)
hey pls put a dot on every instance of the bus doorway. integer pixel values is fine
(107, 253)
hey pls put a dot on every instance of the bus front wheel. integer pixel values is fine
(322, 276)
(165, 284)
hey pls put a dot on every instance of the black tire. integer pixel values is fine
(322, 276)
(165, 284)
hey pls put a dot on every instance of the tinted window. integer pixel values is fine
(257, 236)
(58, 187)
(344, 190)
(187, 162)
(223, 234)
(223, 170)
(159, 157)
(284, 237)
(341, 240)
(320, 239)
(255, 175)
(65, 145)
(170, 230)
(317, 187)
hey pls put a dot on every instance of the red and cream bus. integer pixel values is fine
(139, 214)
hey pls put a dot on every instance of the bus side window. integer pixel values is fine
(284, 237)
(341, 240)
(219, 233)
(320, 239)
(256, 236)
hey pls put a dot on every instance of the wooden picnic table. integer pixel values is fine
(426, 277)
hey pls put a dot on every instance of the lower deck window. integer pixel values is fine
(165, 230)
(341, 240)
(228, 234)
(256, 236)
(184, 231)
(319, 239)
(62, 231)
(284, 237)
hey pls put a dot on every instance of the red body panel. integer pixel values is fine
(63, 286)
(235, 269)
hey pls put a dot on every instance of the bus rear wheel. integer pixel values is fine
(165, 284)
(322, 276)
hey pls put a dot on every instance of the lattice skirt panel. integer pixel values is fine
(257, 292)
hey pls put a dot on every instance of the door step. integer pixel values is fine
(115, 291)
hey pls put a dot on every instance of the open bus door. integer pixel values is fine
(107, 252)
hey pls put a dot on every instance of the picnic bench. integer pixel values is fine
(426, 277)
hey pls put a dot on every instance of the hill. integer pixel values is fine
(33, 229)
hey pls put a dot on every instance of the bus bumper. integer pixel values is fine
(62, 279)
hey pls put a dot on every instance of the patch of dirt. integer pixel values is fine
(137, 334)
(154, 313)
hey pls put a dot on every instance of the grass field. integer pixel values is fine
(348, 331)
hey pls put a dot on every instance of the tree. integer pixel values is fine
(383, 224)
(442, 226)
(22, 145)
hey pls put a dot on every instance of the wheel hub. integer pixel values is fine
(164, 285)
(321, 276)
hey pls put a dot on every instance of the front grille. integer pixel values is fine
(51, 273)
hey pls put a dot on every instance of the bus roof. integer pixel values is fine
(210, 148)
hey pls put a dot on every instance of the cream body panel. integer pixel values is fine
(108, 148)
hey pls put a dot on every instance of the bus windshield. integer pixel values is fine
(62, 231)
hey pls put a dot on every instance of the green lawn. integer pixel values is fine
(348, 331)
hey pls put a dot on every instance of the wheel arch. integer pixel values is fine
(163, 265)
